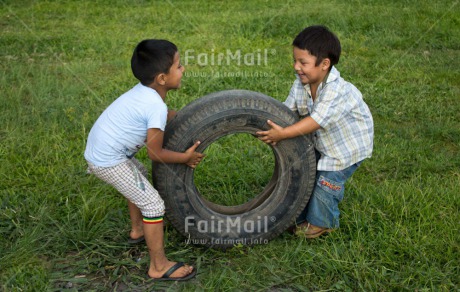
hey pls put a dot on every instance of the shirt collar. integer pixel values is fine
(333, 75)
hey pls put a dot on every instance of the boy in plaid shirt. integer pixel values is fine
(341, 123)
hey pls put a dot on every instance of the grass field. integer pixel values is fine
(63, 62)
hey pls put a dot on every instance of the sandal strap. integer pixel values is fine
(173, 269)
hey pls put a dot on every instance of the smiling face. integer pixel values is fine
(306, 69)
(174, 76)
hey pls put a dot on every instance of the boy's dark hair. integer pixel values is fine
(320, 42)
(152, 57)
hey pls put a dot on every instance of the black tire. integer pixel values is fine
(263, 217)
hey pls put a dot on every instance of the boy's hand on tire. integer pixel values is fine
(194, 157)
(271, 136)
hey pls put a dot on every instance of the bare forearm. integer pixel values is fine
(157, 153)
(168, 156)
(277, 133)
(302, 127)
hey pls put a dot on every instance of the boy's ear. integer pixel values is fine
(326, 64)
(160, 79)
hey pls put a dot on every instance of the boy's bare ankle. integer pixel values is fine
(136, 233)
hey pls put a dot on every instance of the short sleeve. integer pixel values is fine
(290, 101)
(157, 116)
(330, 108)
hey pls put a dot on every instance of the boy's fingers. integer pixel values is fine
(261, 133)
(265, 140)
(199, 155)
(263, 137)
(194, 146)
(272, 124)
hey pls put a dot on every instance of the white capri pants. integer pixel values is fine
(130, 179)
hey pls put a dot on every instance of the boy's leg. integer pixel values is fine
(140, 167)
(137, 228)
(135, 214)
(137, 189)
(322, 210)
(159, 264)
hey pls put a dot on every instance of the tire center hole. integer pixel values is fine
(237, 167)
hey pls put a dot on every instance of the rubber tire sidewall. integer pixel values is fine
(208, 119)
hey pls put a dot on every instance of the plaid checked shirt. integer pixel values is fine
(347, 129)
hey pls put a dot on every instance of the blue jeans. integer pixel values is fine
(323, 208)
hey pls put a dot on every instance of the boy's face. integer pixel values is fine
(174, 77)
(308, 72)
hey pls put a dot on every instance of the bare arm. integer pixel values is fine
(277, 133)
(157, 153)
(171, 115)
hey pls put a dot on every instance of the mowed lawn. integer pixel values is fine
(63, 62)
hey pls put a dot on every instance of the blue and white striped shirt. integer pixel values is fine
(347, 129)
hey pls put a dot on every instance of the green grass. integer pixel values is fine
(63, 62)
(236, 169)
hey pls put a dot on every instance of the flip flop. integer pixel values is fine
(136, 241)
(166, 276)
